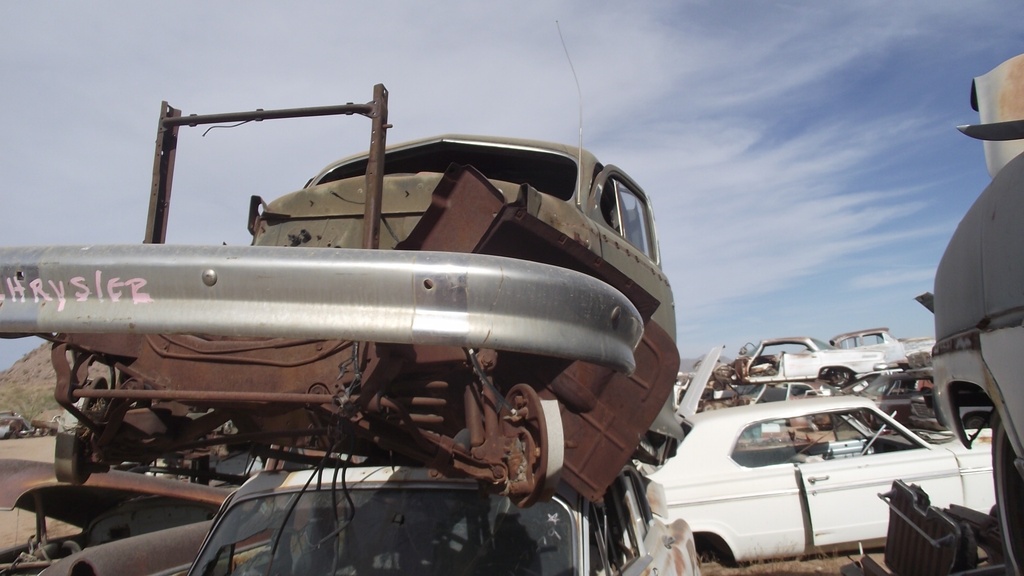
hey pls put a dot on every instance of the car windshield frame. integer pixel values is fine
(547, 171)
(789, 439)
(822, 345)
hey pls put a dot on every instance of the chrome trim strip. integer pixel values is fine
(984, 470)
(737, 498)
(880, 481)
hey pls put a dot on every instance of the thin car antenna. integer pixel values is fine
(579, 95)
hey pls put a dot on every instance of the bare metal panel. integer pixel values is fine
(986, 249)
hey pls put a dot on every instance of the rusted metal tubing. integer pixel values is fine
(423, 402)
(375, 169)
(257, 115)
(200, 395)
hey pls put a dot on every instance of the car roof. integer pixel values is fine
(738, 415)
(845, 335)
(786, 339)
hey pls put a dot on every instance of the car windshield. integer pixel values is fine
(822, 345)
(876, 386)
(389, 531)
(883, 386)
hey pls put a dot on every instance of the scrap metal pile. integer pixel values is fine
(491, 309)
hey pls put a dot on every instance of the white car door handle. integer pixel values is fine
(814, 479)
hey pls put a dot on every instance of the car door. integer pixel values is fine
(755, 507)
(861, 453)
(799, 361)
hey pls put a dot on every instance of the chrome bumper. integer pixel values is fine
(405, 297)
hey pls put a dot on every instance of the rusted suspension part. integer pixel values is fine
(72, 378)
(521, 444)
(534, 446)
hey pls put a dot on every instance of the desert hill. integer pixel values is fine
(27, 386)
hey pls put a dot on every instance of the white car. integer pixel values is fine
(803, 358)
(411, 521)
(787, 479)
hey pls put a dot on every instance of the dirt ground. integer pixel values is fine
(779, 568)
(39, 449)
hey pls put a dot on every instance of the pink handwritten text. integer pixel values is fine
(18, 288)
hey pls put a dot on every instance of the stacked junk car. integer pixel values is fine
(977, 358)
(449, 356)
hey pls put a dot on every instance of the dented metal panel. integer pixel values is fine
(77, 505)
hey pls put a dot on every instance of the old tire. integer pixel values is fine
(975, 420)
(837, 377)
(1009, 498)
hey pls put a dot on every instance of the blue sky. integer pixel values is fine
(801, 156)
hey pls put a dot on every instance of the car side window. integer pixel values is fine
(618, 527)
(764, 444)
(626, 212)
(817, 437)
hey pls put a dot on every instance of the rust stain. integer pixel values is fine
(1011, 94)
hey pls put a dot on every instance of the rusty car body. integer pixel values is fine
(108, 507)
(491, 308)
(904, 353)
(871, 339)
(802, 358)
(14, 425)
(894, 392)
